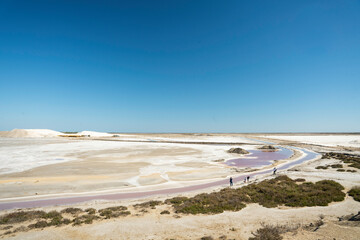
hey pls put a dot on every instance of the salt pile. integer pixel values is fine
(30, 133)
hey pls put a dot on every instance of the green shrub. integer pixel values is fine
(176, 200)
(72, 210)
(275, 192)
(56, 221)
(66, 221)
(151, 204)
(341, 170)
(76, 221)
(321, 167)
(300, 180)
(117, 208)
(336, 166)
(87, 219)
(21, 216)
(355, 193)
(90, 210)
(113, 212)
(269, 193)
(165, 212)
(53, 214)
(352, 160)
(39, 224)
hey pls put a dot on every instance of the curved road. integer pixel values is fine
(309, 155)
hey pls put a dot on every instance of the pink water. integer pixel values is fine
(258, 158)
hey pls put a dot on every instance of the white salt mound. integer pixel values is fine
(30, 133)
(95, 134)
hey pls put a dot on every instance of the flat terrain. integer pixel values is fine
(101, 164)
(43, 166)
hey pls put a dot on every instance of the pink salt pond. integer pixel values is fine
(258, 158)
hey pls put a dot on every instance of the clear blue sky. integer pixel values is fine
(180, 66)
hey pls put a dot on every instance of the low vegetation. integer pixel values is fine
(299, 180)
(90, 210)
(268, 147)
(21, 216)
(355, 193)
(322, 167)
(39, 224)
(148, 204)
(237, 150)
(72, 211)
(273, 232)
(114, 212)
(350, 159)
(87, 219)
(267, 232)
(336, 166)
(332, 166)
(209, 203)
(42, 219)
(269, 193)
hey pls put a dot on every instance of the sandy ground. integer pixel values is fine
(43, 166)
(233, 225)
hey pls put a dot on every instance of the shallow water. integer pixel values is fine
(258, 158)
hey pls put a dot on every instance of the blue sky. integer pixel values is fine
(180, 66)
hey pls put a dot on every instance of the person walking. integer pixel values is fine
(231, 181)
(248, 178)
(274, 171)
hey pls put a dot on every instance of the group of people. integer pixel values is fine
(247, 179)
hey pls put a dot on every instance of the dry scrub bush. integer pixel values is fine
(355, 193)
(21, 216)
(267, 232)
(72, 211)
(269, 193)
(113, 212)
(148, 204)
(352, 160)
